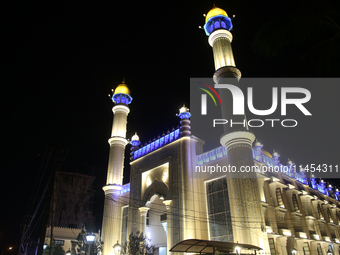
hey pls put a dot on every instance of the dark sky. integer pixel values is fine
(60, 59)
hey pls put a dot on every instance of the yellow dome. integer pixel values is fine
(214, 12)
(267, 153)
(122, 88)
(183, 109)
(135, 137)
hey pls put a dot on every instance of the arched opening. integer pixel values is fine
(156, 228)
(156, 222)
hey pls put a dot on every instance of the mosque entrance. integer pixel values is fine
(156, 224)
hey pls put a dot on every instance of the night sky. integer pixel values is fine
(60, 60)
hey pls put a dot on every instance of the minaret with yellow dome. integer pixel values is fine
(217, 26)
(112, 210)
(247, 218)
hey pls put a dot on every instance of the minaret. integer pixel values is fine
(112, 208)
(245, 204)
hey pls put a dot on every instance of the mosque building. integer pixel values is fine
(279, 213)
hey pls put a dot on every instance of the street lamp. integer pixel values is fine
(294, 251)
(117, 248)
(90, 239)
(68, 252)
(9, 248)
(45, 245)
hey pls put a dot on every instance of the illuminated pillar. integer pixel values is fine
(169, 243)
(187, 179)
(143, 213)
(111, 228)
(246, 208)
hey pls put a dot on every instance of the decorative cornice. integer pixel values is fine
(117, 140)
(219, 33)
(112, 189)
(144, 210)
(237, 137)
(121, 108)
(167, 204)
(226, 72)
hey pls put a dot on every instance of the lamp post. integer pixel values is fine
(68, 252)
(90, 239)
(117, 248)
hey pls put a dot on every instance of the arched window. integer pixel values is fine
(319, 250)
(272, 246)
(147, 218)
(217, 24)
(223, 24)
(321, 216)
(279, 197)
(295, 203)
(330, 215)
(305, 247)
(125, 211)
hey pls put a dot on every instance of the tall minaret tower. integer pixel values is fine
(245, 204)
(112, 207)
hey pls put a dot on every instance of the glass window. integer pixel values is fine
(124, 224)
(279, 197)
(305, 247)
(217, 24)
(330, 215)
(61, 242)
(272, 246)
(320, 211)
(319, 250)
(219, 211)
(295, 203)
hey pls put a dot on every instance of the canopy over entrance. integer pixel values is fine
(206, 246)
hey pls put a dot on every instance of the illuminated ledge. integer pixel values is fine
(125, 188)
(221, 152)
(173, 136)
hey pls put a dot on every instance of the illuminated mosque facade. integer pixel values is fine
(281, 213)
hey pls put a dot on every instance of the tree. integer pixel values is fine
(138, 244)
(57, 250)
(306, 30)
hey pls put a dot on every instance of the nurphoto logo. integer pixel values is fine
(204, 98)
(239, 104)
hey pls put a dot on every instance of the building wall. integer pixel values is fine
(288, 222)
(64, 235)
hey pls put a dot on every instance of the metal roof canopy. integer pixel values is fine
(207, 246)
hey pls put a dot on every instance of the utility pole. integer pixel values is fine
(52, 215)
(59, 156)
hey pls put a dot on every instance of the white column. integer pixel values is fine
(143, 212)
(168, 224)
